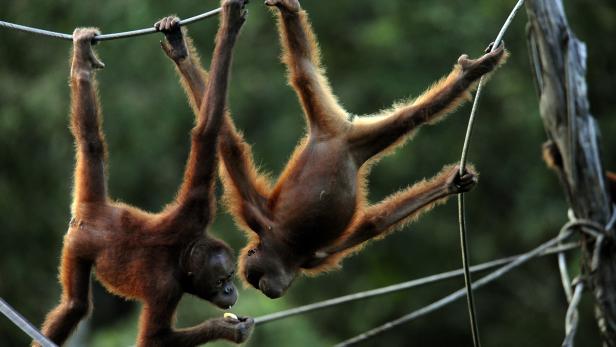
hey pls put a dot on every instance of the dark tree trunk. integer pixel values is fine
(559, 61)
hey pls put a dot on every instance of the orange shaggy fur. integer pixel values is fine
(318, 203)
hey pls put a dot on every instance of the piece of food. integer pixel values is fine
(230, 315)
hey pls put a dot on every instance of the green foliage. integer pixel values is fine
(376, 52)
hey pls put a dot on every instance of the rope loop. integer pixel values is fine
(574, 289)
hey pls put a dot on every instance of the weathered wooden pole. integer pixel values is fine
(559, 61)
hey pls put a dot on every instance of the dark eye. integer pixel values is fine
(219, 283)
(252, 251)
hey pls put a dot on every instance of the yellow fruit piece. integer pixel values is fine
(230, 315)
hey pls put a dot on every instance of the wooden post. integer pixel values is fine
(559, 61)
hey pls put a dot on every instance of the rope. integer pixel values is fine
(461, 209)
(106, 37)
(399, 287)
(24, 325)
(571, 320)
(563, 235)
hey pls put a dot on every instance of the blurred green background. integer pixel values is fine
(376, 52)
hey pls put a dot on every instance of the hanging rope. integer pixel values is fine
(461, 209)
(24, 325)
(105, 37)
